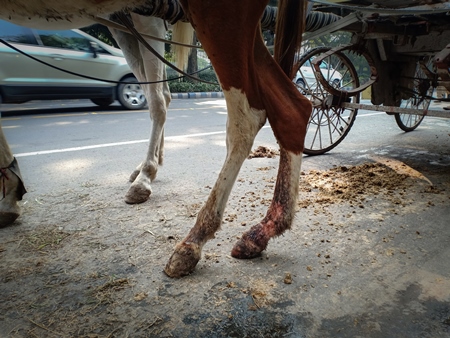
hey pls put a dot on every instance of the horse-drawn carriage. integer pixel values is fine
(399, 50)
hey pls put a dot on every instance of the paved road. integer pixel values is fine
(91, 141)
(39, 128)
(83, 135)
(78, 124)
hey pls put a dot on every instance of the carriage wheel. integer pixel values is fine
(420, 99)
(408, 122)
(329, 123)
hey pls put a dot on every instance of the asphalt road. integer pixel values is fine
(81, 140)
(38, 128)
(44, 126)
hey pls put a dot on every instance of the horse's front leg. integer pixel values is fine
(242, 126)
(280, 213)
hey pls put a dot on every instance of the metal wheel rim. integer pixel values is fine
(328, 126)
(133, 94)
(409, 122)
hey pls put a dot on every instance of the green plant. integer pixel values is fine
(185, 85)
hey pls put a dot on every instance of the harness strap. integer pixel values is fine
(3, 178)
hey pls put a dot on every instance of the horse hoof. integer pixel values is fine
(138, 193)
(245, 248)
(183, 260)
(7, 218)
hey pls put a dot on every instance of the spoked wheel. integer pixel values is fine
(329, 123)
(409, 122)
(420, 99)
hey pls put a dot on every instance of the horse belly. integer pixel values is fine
(57, 14)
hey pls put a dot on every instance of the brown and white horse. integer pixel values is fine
(256, 88)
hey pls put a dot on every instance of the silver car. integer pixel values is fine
(23, 79)
(306, 80)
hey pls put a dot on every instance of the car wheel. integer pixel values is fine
(301, 86)
(336, 83)
(131, 95)
(102, 102)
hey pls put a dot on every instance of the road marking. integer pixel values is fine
(119, 112)
(58, 115)
(371, 114)
(10, 118)
(142, 111)
(66, 150)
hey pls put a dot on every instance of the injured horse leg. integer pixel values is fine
(242, 126)
(270, 92)
(281, 211)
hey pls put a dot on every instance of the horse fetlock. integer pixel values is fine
(139, 192)
(133, 175)
(150, 171)
(183, 260)
(146, 171)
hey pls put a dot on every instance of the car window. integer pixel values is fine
(16, 34)
(323, 64)
(63, 39)
(67, 40)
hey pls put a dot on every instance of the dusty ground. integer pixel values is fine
(368, 256)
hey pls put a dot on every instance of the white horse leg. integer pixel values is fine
(147, 67)
(11, 186)
(243, 124)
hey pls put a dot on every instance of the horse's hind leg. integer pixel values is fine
(242, 126)
(147, 67)
(280, 213)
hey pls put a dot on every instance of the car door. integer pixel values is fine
(18, 72)
(73, 52)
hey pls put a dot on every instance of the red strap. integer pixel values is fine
(3, 178)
